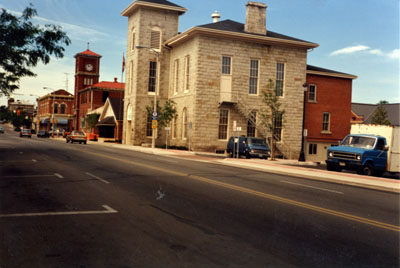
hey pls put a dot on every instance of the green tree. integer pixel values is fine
(272, 115)
(165, 113)
(380, 116)
(91, 120)
(23, 45)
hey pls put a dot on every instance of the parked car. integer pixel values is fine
(43, 134)
(76, 136)
(248, 147)
(25, 133)
(1, 129)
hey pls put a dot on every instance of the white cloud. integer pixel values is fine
(394, 54)
(350, 50)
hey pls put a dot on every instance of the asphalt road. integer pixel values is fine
(72, 205)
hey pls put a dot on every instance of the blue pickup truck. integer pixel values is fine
(366, 154)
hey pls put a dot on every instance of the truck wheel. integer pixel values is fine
(368, 169)
(84, 142)
(330, 167)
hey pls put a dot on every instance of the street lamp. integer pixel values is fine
(52, 113)
(153, 139)
(302, 153)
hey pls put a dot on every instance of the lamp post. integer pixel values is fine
(52, 110)
(154, 130)
(302, 154)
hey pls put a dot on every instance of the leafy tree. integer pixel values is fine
(4, 113)
(23, 45)
(273, 113)
(91, 120)
(380, 116)
(165, 113)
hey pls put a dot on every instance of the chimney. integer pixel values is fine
(256, 16)
(215, 16)
(115, 80)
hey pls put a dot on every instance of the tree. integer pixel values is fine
(23, 45)
(91, 120)
(380, 116)
(165, 113)
(273, 115)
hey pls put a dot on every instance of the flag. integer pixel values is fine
(123, 62)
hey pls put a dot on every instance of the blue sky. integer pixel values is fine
(359, 37)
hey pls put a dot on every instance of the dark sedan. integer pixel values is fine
(43, 134)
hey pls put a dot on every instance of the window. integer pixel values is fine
(82, 122)
(226, 65)
(312, 93)
(280, 78)
(152, 76)
(223, 124)
(187, 72)
(312, 148)
(326, 121)
(155, 39)
(174, 127)
(87, 81)
(149, 129)
(380, 145)
(251, 124)
(278, 127)
(133, 40)
(131, 76)
(105, 96)
(55, 108)
(62, 108)
(176, 76)
(253, 76)
(184, 124)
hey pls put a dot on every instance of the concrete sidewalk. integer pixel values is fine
(280, 166)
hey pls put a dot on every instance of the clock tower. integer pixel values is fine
(87, 72)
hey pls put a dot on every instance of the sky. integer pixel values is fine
(358, 37)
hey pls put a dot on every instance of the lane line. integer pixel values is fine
(97, 178)
(339, 214)
(34, 160)
(108, 210)
(309, 186)
(35, 176)
(58, 175)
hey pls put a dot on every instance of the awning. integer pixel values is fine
(62, 121)
(108, 121)
(44, 121)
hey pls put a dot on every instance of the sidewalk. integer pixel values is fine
(280, 166)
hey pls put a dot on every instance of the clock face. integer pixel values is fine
(89, 67)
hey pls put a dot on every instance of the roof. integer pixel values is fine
(117, 106)
(108, 121)
(89, 53)
(106, 85)
(158, 4)
(322, 71)
(367, 110)
(233, 29)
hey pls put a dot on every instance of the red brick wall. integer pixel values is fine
(333, 96)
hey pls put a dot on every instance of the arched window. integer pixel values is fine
(62, 108)
(155, 38)
(184, 123)
(133, 40)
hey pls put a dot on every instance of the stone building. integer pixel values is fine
(215, 74)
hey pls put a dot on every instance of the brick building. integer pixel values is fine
(57, 105)
(214, 73)
(327, 110)
(91, 94)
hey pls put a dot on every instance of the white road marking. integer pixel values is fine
(21, 152)
(303, 185)
(97, 178)
(58, 175)
(35, 176)
(108, 210)
(34, 160)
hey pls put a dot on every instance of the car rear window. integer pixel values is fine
(79, 133)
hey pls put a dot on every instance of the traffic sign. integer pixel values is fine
(154, 115)
(154, 124)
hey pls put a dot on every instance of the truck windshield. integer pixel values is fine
(256, 141)
(359, 141)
